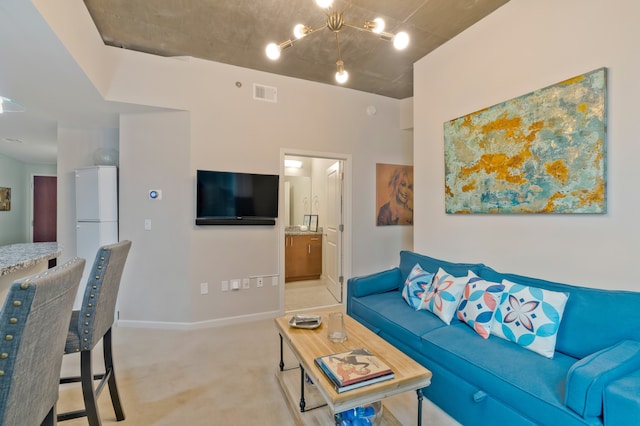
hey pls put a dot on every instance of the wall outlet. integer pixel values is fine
(235, 285)
(224, 286)
(259, 282)
(204, 288)
(245, 283)
(274, 281)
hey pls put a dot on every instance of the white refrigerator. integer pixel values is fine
(96, 215)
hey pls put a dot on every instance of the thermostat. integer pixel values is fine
(155, 194)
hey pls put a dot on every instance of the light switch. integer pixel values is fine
(147, 224)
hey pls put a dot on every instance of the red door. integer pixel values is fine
(45, 206)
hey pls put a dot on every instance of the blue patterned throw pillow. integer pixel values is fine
(444, 295)
(530, 317)
(418, 282)
(479, 302)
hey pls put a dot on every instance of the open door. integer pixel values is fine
(334, 230)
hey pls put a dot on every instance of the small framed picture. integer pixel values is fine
(307, 220)
(313, 224)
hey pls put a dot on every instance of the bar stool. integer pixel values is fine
(33, 325)
(91, 324)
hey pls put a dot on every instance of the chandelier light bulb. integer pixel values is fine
(299, 31)
(342, 76)
(324, 3)
(401, 40)
(273, 51)
(379, 27)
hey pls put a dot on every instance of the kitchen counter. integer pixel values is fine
(21, 260)
(16, 257)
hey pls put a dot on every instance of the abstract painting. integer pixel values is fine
(5, 199)
(543, 152)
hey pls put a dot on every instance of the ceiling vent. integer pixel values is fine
(265, 93)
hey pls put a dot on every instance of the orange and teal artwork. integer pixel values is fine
(543, 152)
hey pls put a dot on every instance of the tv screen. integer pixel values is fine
(230, 198)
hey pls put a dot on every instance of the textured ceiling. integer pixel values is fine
(236, 32)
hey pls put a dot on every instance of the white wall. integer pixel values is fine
(13, 223)
(230, 131)
(225, 129)
(523, 46)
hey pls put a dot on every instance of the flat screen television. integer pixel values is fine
(230, 198)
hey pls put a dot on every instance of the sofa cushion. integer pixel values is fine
(416, 285)
(391, 316)
(530, 384)
(408, 259)
(478, 304)
(530, 317)
(588, 377)
(593, 319)
(444, 294)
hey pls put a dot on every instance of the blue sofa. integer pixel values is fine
(592, 379)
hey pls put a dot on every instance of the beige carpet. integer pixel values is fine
(215, 376)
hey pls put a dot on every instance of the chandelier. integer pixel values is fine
(335, 22)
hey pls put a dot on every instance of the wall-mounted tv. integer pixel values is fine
(230, 198)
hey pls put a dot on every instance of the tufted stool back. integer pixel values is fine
(33, 325)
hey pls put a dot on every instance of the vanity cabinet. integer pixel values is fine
(303, 257)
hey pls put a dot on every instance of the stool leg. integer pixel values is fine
(108, 367)
(88, 392)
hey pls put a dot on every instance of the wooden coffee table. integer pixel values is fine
(309, 344)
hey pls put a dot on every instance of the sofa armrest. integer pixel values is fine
(380, 282)
(622, 401)
(588, 377)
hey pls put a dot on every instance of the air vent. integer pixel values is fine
(11, 140)
(265, 93)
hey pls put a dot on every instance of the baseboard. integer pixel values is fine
(219, 322)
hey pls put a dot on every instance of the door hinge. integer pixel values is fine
(341, 279)
(341, 227)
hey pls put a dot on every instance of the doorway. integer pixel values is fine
(45, 207)
(314, 219)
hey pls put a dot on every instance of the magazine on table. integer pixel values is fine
(353, 369)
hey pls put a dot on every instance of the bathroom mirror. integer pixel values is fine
(299, 199)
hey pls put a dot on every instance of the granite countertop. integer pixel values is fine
(295, 230)
(21, 256)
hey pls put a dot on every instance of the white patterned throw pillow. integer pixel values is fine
(479, 302)
(444, 295)
(416, 284)
(530, 317)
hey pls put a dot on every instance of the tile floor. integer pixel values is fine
(300, 295)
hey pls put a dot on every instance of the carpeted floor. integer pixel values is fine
(214, 376)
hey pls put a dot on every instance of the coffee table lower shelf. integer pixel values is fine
(316, 410)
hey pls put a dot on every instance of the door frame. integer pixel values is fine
(346, 214)
(31, 204)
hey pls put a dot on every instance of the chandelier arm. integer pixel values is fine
(338, 46)
(368, 30)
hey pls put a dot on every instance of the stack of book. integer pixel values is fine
(353, 369)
